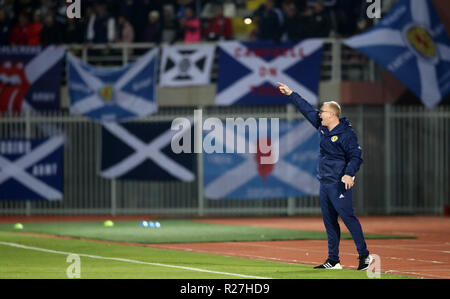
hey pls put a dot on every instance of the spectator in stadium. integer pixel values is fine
(318, 21)
(181, 8)
(294, 27)
(190, 25)
(89, 27)
(271, 21)
(170, 25)
(285, 5)
(51, 33)
(35, 29)
(300, 4)
(24, 7)
(8, 7)
(46, 6)
(125, 31)
(5, 27)
(139, 19)
(219, 27)
(73, 32)
(104, 26)
(152, 31)
(126, 8)
(60, 13)
(347, 15)
(19, 32)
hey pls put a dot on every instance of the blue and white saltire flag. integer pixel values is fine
(31, 169)
(142, 151)
(412, 44)
(241, 176)
(248, 72)
(113, 95)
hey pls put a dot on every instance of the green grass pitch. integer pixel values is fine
(24, 256)
(175, 231)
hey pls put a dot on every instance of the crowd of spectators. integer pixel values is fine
(300, 19)
(44, 22)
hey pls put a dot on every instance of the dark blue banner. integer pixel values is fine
(30, 78)
(142, 151)
(31, 169)
(248, 72)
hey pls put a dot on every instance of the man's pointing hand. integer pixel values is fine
(284, 89)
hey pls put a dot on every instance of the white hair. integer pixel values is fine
(335, 106)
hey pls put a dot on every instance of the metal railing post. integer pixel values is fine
(290, 114)
(372, 70)
(113, 197)
(387, 158)
(84, 55)
(27, 136)
(336, 60)
(125, 55)
(198, 141)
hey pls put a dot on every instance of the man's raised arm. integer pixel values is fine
(310, 113)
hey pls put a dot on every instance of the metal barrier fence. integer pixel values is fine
(339, 62)
(406, 166)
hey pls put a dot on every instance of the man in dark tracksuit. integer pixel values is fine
(339, 160)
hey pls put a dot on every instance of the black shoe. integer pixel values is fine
(330, 265)
(365, 261)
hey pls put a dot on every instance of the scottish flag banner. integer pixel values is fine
(30, 77)
(243, 176)
(412, 44)
(31, 169)
(107, 95)
(248, 72)
(142, 151)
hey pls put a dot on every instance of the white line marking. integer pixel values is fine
(399, 272)
(127, 260)
(342, 252)
(411, 249)
(416, 273)
(223, 253)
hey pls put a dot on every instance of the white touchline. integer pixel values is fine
(127, 260)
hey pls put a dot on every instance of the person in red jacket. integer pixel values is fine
(34, 30)
(19, 33)
(219, 27)
(5, 82)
